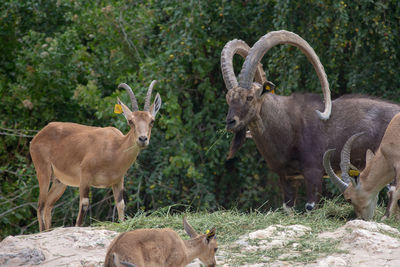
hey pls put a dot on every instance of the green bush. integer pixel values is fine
(63, 60)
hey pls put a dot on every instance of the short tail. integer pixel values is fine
(120, 263)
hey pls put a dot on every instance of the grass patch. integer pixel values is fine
(232, 224)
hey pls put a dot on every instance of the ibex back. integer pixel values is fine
(83, 156)
(161, 247)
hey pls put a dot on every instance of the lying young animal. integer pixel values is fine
(161, 247)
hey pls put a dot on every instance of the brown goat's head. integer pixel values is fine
(244, 105)
(364, 202)
(141, 122)
(244, 97)
(208, 243)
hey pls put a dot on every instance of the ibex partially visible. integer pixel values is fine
(161, 247)
(288, 133)
(83, 156)
(362, 189)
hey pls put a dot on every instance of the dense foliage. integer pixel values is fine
(62, 61)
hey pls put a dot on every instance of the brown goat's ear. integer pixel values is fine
(188, 228)
(127, 112)
(210, 235)
(238, 140)
(268, 87)
(369, 155)
(155, 107)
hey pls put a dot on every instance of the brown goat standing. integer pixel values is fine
(83, 156)
(161, 247)
(380, 169)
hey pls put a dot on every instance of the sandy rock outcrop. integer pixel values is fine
(367, 243)
(71, 246)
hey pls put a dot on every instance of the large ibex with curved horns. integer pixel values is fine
(287, 131)
(83, 156)
(361, 189)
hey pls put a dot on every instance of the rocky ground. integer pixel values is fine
(362, 243)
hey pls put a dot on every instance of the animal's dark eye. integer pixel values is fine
(131, 123)
(249, 98)
(151, 123)
(215, 249)
(348, 200)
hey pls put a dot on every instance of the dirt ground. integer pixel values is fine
(366, 243)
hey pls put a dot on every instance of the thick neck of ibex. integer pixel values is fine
(256, 125)
(194, 247)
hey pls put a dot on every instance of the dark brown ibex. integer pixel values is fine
(287, 131)
(161, 247)
(380, 169)
(83, 156)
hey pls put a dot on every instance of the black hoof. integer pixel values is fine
(309, 207)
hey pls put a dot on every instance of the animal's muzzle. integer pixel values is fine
(142, 141)
(230, 123)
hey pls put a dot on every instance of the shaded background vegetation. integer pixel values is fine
(62, 61)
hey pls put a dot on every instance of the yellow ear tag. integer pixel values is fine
(117, 109)
(269, 89)
(207, 231)
(354, 173)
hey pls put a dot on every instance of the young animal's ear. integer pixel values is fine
(127, 112)
(210, 235)
(268, 87)
(155, 107)
(189, 229)
(369, 155)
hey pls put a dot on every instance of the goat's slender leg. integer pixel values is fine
(289, 191)
(43, 176)
(394, 199)
(396, 202)
(56, 191)
(393, 205)
(118, 191)
(313, 182)
(83, 201)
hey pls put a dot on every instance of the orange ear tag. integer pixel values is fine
(117, 109)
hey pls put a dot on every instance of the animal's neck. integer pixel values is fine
(377, 176)
(271, 129)
(272, 115)
(129, 148)
(193, 248)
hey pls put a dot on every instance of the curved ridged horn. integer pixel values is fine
(230, 49)
(148, 96)
(131, 95)
(345, 159)
(284, 37)
(328, 168)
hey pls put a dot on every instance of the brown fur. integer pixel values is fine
(380, 169)
(292, 139)
(70, 154)
(161, 247)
